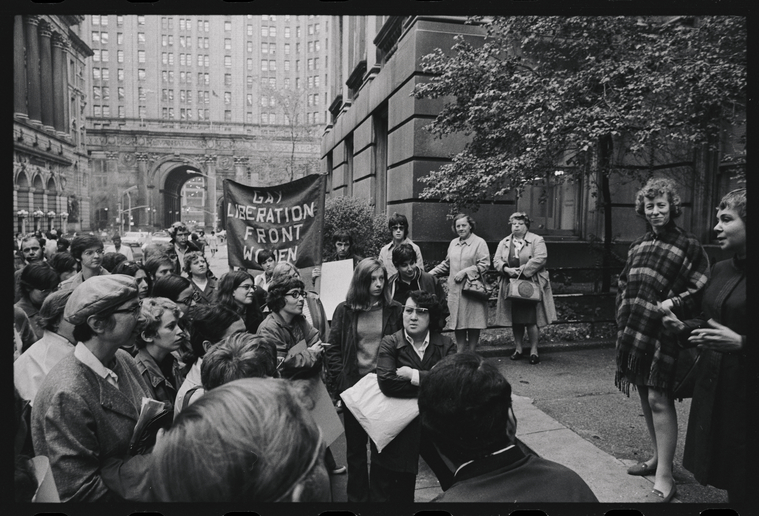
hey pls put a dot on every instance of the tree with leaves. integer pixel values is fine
(590, 94)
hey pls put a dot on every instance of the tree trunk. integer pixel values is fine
(605, 151)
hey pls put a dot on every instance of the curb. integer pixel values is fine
(503, 350)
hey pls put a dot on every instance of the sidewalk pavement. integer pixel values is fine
(606, 475)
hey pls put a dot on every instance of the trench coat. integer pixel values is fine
(471, 255)
(532, 260)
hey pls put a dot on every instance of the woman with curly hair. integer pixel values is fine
(201, 277)
(666, 269)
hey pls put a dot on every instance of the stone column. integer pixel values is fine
(66, 90)
(46, 75)
(60, 88)
(211, 186)
(33, 68)
(19, 68)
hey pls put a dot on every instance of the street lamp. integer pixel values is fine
(215, 216)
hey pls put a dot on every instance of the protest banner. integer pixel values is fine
(287, 219)
(336, 278)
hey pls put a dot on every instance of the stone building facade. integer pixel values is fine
(50, 162)
(375, 147)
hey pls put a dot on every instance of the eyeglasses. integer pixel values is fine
(296, 294)
(397, 227)
(408, 310)
(246, 287)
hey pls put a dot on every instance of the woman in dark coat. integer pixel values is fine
(666, 267)
(404, 359)
(717, 439)
(358, 326)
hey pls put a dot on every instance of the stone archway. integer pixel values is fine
(171, 197)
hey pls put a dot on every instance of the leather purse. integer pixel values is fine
(476, 288)
(523, 290)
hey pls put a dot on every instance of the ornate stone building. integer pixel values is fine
(50, 162)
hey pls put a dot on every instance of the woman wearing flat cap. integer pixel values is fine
(86, 409)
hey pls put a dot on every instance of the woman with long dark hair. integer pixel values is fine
(236, 290)
(358, 326)
(36, 282)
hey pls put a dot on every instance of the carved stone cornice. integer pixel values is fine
(112, 155)
(59, 40)
(240, 160)
(33, 19)
(207, 158)
(141, 156)
(44, 28)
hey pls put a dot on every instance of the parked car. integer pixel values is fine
(160, 236)
(134, 237)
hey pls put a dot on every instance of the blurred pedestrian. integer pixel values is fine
(523, 255)
(213, 243)
(467, 257)
(117, 247)
(667, 266)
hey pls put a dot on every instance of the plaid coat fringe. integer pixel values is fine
(674, 266)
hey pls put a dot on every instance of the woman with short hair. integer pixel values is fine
(88, 251)
(358, 326)
(37, 281)
(200, 275)
(249, 441)
(523, 255)
(467, 257)
(140, 275)
(160, 336)
(64, 264)
(57, 341)
(667, 268)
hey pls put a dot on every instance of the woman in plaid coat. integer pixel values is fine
(666, 268)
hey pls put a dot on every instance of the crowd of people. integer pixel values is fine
(236, 364)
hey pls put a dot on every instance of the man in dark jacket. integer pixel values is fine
(465, 404)
(410, 276)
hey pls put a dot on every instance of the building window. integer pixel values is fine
(287, 65)
(310, 46)
(182, 97)
(200, 97)
(120, 92)
(249, 117)
(97, 111)
(96, 19)
(264, 65)
(227, 97)
(316, 28)
(104, 38)
(297, 83)
(104, 56)
(287, 49)
(96, 92)
(264, 48)
(206, 26)
(310, 64)
(272, 48)
(183, 41)
(200, 60)
(171, 23)
(171, 40)
(171, 58)
(181, 24)
(200, 114)
(119, 20)
(316, 63)
(227, 115)
(287, 32)
(310, 30)
(272, 65)
(96, 73)
(206, 79)
(316, 81)
(164, 40)
(264, 118)
(297, 48)
(227, 43)
(265, 32)
(120, 56)
(297, 65)
(171, 113)
(106, 93)
(140, 56)
(164, 57)
(182, 77)
(189, 114)
(287, 82)
(141, 38)
(310, 100)
(164, 23)
(250, 30)
(141, 93)
(206, 98)
(206, 60)
(227, 79)
(272, 82)
(250, 46)
(140, 74)
(227, 25)
(106, 74)
(310, 82)
(249, 99)
(205, 42)
(142, 111)
(171, 76)
(121, 112)
(96, 56)
(249, 82)
(141, 20)
(120, 74)
(317, 46)
(182, 59)
(272, 32)
(120, 38)
(297, 31)
(249, 63)
(264, 101)
(228, 61)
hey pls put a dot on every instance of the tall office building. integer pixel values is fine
(195, 87)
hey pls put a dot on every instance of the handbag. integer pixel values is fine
(524, 290)
(476, 288)
(685, 373)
